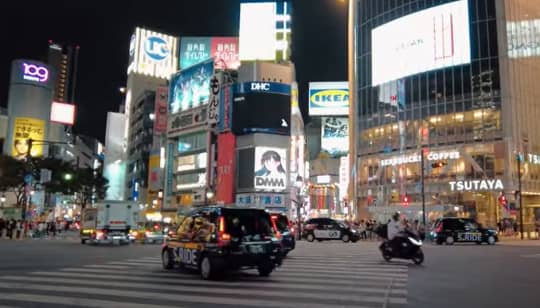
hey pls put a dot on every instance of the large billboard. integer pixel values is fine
(160, 110)
(328, 98)
(270, 169)
(153, 54)
(63, 113)
(25, 129)
(115, 164)
(190, 87)
(226, 162)
(426, 40)
(335, 135)
(224, 51)
(265, 30)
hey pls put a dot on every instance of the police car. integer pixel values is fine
(452, 230)
(215, 239)
(328, 229)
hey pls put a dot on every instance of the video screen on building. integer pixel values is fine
(335, 135)
(190, 88)
(261, 112)
(427, 40)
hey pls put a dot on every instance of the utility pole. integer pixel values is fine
(422, 184)
(518, 158)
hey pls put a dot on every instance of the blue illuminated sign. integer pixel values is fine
(156, 48)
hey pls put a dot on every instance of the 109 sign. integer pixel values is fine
(35, 72)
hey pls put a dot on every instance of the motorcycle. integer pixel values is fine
(409, 248)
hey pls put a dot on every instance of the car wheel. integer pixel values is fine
(354, 240)
(386, 255)
(345, 238)
(310, 238)
(450, 240)
(83, 242)
(265, 268)
(207, 268)
(491, 240)
(167, 258)
(439, 242)
(418, 257)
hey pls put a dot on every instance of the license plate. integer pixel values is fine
(256, 249)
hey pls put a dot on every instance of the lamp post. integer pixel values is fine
(299, 202)
(2, 200)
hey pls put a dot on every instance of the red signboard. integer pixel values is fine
(226, 144)
(160, 111)
(225, 52)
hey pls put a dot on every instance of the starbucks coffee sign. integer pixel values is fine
(477, 185)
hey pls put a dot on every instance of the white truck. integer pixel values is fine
(108, 222)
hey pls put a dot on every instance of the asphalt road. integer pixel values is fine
(64, 273)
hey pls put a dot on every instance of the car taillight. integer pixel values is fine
(292, 229)
(171, 233)
(224, 239)
(221, 224)
(100, 234)
(438, 229)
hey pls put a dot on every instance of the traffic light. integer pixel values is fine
(405, 200)
(438, 164)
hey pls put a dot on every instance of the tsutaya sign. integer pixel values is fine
(415, 158)
(476, 185)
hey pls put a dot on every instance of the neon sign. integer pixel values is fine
(35, 72)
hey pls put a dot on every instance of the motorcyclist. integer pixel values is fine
(395, 229)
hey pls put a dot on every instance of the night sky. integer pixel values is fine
(103, 29)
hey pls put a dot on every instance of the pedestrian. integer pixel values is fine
(18, 229)
(2, 227)
(11, 228)
(50, 222)
(362, 230)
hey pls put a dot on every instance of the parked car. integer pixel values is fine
(328, 229)
(452, 230)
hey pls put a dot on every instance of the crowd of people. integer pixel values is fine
(368, 228)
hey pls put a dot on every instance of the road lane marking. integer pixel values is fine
(74, 301)
(531, 256)
(106, 266)
(184, 297)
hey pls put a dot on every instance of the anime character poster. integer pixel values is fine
(270, 169)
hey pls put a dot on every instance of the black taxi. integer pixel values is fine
(217, 238)
(452, 230)
(328, 229)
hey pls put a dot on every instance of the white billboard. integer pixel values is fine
(153, 54)
(335, 135)
(260, 24)
(329, 98)
(270, 169)
(429, 39)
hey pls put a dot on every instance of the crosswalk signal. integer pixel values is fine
(405, 200)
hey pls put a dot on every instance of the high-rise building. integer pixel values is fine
(64, 59)
(452, 81)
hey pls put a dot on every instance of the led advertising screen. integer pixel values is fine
(270, 169)
(427, 40)
(63, 113)
(265, 30)
(23, 130)
(153, 54)
(261, 112)
(335, 135)
(190, 87)
(328, 98)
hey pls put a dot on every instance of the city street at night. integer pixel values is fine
(58, 273)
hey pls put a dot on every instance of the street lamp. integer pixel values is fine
(68, 176)
(2, 200)
(209, 196)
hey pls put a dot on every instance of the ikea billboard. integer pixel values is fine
(328, 98)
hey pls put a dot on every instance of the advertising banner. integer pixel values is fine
(328, 98)
(170, 169)
(225, 108)
(190, 87)
(213, 101)
(153, 54)
(335, 135)
(160, 112)
(154, 173)
(63, 113)
(226, 144)
(194, 50)
(23, 130)
(225, 52)
(429, 39)
(270, 169)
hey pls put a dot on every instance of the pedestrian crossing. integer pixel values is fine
(352, 278)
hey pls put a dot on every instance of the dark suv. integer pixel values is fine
(450, 230)
(215, 239)
(328, 229)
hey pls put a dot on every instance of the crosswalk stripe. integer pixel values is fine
(74, 301)
(106, 266)
(133, 263)
(187, 297)
(380, 269)
(330, 270)
(157, 261)
(216, 291)
(189, 278)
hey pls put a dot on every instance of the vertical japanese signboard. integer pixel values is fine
(160, 112)
(226, 144)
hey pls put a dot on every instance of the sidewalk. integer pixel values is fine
(518, 242)
(69, 235)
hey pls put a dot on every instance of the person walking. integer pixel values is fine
(18, 229)
(2, 227)
(11, 228)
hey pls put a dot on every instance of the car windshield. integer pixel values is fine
(244, 222)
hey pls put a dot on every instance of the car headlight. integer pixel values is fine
(354, 231)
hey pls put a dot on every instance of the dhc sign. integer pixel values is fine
(260, 86)
(156, 48)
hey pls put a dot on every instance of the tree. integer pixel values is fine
(12, 174)
(89, 184)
